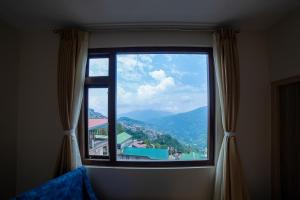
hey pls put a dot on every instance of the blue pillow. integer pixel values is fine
(73, 185)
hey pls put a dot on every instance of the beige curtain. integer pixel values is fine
(71, 72)
(229, 184)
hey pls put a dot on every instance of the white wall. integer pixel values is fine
(152, 38)
(9, 56)
(158, 184)
(253, 120)
(285, 47)
(40, 134)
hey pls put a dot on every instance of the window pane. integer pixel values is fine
(98, 121)
(98, 67)
(162, 107)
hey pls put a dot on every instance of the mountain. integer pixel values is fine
(137, 128)
(145, 115)
(95, 115)
(149, 135)
(136, 124)
(190, 127)
(130, 121)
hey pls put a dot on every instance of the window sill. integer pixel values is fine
(149, 168)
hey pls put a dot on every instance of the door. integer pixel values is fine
(289, 138)
(286, 139)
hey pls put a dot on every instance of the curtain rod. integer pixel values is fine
(149, 27)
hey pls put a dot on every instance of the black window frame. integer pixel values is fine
(110, 83)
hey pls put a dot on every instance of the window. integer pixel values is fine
(149, 107)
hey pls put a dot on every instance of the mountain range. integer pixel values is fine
(190, 127)
(95, 115)
(145, 115)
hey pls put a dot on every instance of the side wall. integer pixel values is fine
(9, 56)
(285, 47)
(253, 121)
(284, 42)
(39, 131)
(40, 134)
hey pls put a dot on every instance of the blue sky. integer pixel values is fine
(167, 82)
(98, 67)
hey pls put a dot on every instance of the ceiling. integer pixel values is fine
(246, 14)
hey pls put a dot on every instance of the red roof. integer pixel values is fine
(139, 144)
(97, 122)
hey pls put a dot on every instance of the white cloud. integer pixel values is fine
(131, 67)
(181, 98)
(147, 58)
(98, 67)
(177, 99)
(165, 83)
(178, 74)
(142, 85)
(127, 61)
(147, 90)
(123, 95)
(98, 100)
(132, 61)
(158, 74)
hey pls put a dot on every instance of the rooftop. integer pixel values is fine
(102, 137)
(97, 123)
(122, 137)
(139, 144)
(152, 153)
(192, 156)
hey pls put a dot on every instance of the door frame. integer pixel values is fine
(275, 135)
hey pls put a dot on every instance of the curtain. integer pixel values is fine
(229, 184)
(70, 72)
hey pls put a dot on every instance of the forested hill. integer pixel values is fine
(95, 115)
(190, 127)
(145, 115)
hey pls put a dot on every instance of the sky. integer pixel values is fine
(167, 82)
(98, 67)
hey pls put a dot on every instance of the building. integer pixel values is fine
(98, 126)
(139, 144)
(123, 140)
(99, 148)
(132, 153)
(97, 135)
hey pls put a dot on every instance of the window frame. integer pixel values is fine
(110, 83)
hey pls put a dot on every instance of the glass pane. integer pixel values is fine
(98, 67)
(98, 121)
(162, 107)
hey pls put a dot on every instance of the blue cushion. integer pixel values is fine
(73, 185)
